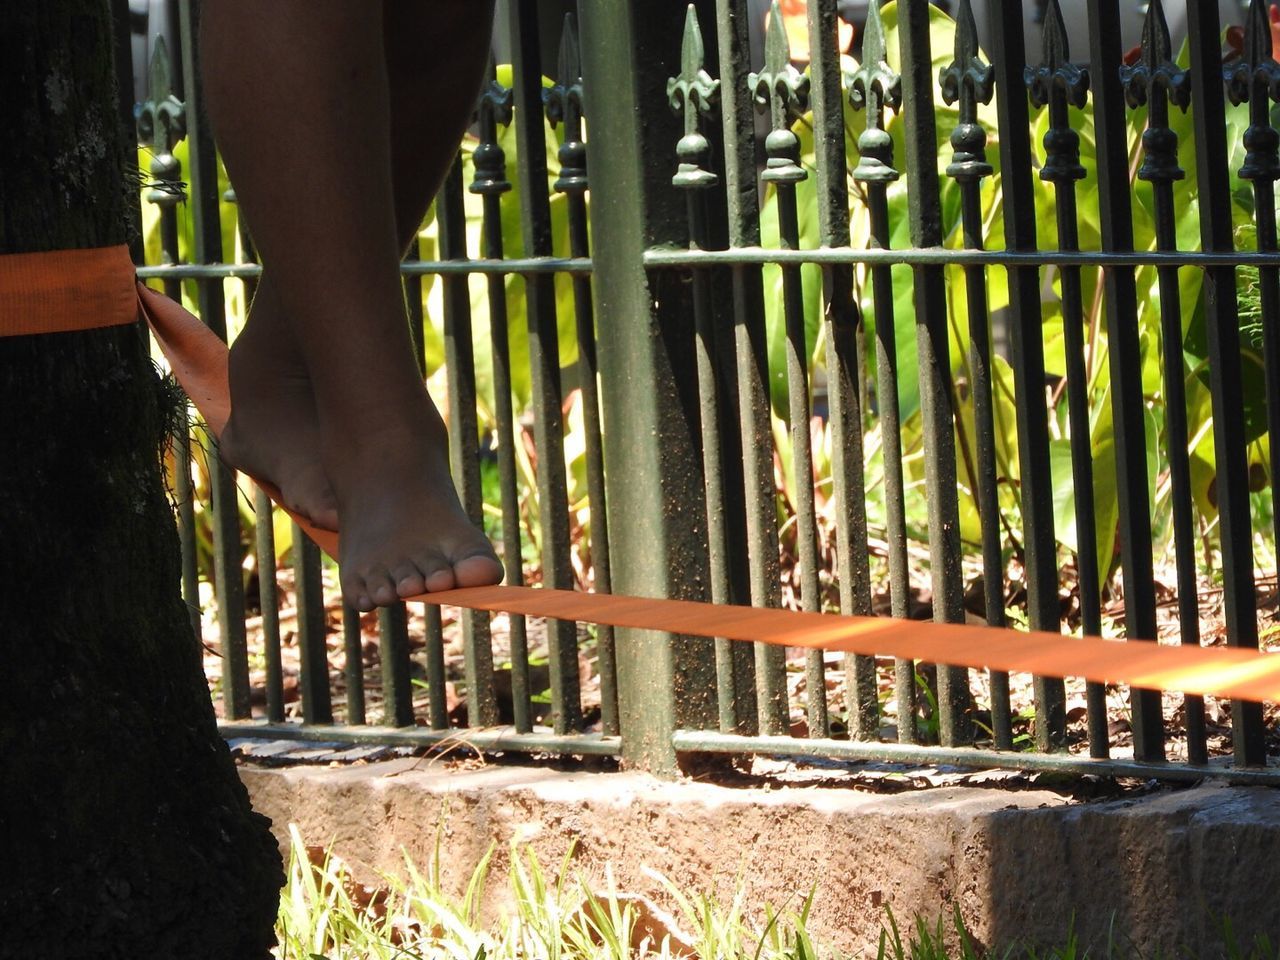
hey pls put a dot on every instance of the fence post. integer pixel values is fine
(648, 380)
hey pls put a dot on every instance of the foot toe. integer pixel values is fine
(355, 593)
(379, 586)
(409, 579)
(437, 575)
(478, 570)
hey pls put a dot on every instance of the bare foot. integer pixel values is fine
(272, 434)
(404, 532)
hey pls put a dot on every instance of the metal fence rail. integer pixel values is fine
(724, 255)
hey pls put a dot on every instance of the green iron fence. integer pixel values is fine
(860, 292)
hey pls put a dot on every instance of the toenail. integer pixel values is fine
(440, 580)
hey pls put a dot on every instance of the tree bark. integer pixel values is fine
(124, 829)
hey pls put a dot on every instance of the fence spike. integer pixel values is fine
(779, 87)
(692, 92)
(1156, 68)
(1060, 84)
(489, 159)
(1057, 73)
(1255, 78)
(564, 105)
(970, 80)
(873, 86)
(162, 123)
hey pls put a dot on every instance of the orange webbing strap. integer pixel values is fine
(1215, 671)
(199, 360)
(60, 291)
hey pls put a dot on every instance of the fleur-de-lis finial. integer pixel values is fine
(1156, 68)
(490, 160)
(1057, 73)
(1157, 81)
(1256, 78)
(694, 94)
(1257, 58)
(162, 122)
(564, 104)
(1059, 83)
(970, 80)
(874, 86)
(784, 91)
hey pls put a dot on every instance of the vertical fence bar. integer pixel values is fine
(313, 674)
(161, 121)
(729, 417)
(694, 94)
(1256, 78)
(1061, 84)
(843, 329)
(437, 703)
(464, 434)
(353, 662)
(208, 249)
(397, 682)
(1222, 322)
(1125, 361)
(969, 80)
(937, 397)
(1156, 81)
(874, 87)
(751, 352)
(490, 182)
(264, 529)
(1027, 351)
(393, 627)
(782, 90)
(268, 600)
(648, 376)
(564, 104)
(544, 358)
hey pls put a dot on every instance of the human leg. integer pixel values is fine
(431, 98)
(432, 95)
(299, 93)
(273, 433)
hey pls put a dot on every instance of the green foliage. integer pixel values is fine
(325, 914)
(1089, 220)
(1101, 439)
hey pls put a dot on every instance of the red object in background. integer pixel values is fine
(795, 21)
(1235, 37)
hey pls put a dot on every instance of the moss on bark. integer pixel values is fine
(124, 829)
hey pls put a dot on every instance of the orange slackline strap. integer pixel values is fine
(64, 290)
(1213, 671)
(199, 360)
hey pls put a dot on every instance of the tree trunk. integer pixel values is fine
(124, 830)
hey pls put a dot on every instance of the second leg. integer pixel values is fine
(300, 95)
